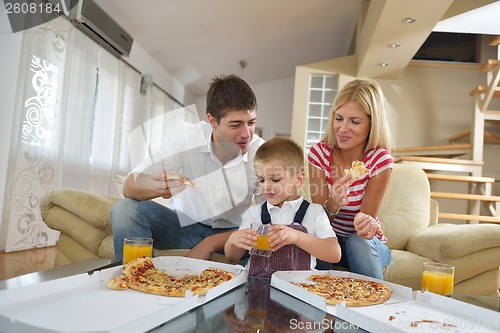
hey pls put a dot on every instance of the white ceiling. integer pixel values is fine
(197, 39)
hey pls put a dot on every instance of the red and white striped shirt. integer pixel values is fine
(376, 160)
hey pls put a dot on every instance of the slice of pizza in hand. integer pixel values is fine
(357, 170)
(184, 180)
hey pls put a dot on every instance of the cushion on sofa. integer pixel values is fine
(409, 211)
(443, 242)
(405, 268)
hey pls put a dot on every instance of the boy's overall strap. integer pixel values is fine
(299, 216)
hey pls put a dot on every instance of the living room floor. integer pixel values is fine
(13, 264)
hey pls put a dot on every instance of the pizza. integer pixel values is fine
(357, 170)
(142, 275)
(354, 292)
(184, 180)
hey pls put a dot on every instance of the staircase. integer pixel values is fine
(448, 163)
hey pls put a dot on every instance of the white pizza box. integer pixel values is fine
(84, 303)
(401, 313)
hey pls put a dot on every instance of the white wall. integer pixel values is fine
(144, 63)
(430, 103)
(275, 106)
(9, 58)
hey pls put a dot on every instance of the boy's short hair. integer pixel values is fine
(229, 93)
(282, 149)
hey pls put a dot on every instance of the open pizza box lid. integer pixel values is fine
(84, 303)
(401, 313)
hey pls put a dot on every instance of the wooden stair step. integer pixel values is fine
(491, 115)
(488, 65)
(488, 136)
(466, 217)
(495, 41)
(438, 160)
(460, 178)
(462, 196)
(448, 151)
(442, 164)
(481, 89)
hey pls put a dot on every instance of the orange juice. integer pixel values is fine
(262, 242)
(132, 251)
(438, 282)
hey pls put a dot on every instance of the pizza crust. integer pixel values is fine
(357, 170)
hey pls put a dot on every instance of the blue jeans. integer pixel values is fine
(149, 219)
(362, 256)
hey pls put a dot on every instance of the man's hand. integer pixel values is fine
(166, 187)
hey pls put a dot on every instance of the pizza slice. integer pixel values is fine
(357, 170)
(350, 291)
(140, 274)
(184, 180)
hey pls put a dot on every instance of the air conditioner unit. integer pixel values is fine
(98, 25)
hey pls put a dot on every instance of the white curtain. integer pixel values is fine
(75, 112)
(162, 116)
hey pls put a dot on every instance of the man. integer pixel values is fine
(217, 156)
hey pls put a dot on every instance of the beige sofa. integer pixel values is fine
(408, 215)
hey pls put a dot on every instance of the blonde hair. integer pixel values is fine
(287, 151)
(369, 96)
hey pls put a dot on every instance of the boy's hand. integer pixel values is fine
(281, 235)
(243, 239)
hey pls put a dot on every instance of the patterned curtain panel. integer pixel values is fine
(76, 104)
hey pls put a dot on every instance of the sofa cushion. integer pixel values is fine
(106, 249)
(443, 242)
(405, 268)
(485, 283)
(406, 208)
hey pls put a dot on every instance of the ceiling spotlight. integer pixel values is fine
(408, 20)
(384, 64)
(393, 45)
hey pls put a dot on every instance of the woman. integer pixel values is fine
(357, 131)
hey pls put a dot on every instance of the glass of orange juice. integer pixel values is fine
(262, 248)
(438, 278)
(137, 247)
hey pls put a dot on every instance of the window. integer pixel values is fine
(322, 91)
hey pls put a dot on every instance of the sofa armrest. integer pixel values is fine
(442, 242)
(93, 208)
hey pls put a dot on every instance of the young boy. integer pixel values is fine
(300, 231)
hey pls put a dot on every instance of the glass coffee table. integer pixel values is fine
(256, 307)
(251, 307)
